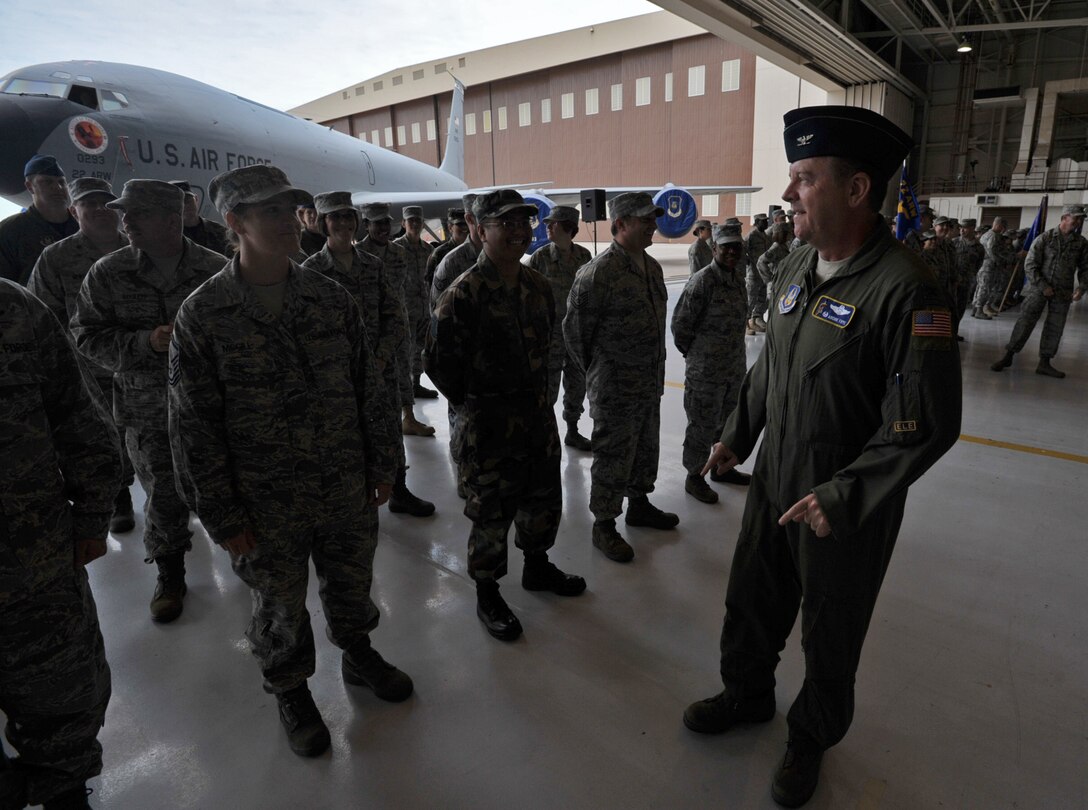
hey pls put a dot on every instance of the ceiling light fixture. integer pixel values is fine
(964, 46)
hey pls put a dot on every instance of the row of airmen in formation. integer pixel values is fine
(270, 397)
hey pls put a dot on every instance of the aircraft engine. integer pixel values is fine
(680, 211)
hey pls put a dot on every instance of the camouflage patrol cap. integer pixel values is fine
(410, 211)
(759, 218)
(253, 184)
(734, 222)
(466, 202)
(1073, 210)
(156, 194)
(455, 216)
(85, 186)
(725, 235)
(968, 223)
(633, 204)
(941, 220)
(330, 201)
(562, 213)
(927, 235)
(183, 185)
(699, 224)
(375, 212)
(499, 203)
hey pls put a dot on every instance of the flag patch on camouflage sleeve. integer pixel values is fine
(173, 374)
(931, 323)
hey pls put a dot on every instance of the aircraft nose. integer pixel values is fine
(24, 124)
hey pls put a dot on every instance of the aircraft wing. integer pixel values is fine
(572, 196)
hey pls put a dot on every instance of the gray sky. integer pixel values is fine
(279, 53)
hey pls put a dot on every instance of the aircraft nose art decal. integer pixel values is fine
(88, 135)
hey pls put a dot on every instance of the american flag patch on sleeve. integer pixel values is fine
(931, 323)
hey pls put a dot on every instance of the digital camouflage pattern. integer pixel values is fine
(993, 276)
(700, 255)
(969, 257)
(487, 351)
(767, 266)
(417, 297)
(395, 259)
(60, 472)
(708, 328)
(944, 262)
(373, 292)
(281, 425)
(124, 297)
(615, 332)
(560, 270)
(1060, 262)
(756, 243)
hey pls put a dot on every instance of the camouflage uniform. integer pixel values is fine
(945, 265)
(756, 244)
(281, 425)
(310, 242)
(23, 237)
(699, 256)
(1054, 260)
(437, 255)
(417, 294)
(768, 263)
(456, 262)
(615, 332)
(56, 279)
(708, 329)
(994, 273)
(560, 271)
(60, 471)
(969, 258)
(395, 259)
(123, 299)
(487, 351)
(210, 235)
(378, 304)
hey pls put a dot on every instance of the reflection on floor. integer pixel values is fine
(971, 692)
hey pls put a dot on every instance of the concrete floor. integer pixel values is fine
(971, 692)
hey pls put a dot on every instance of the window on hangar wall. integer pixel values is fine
(430, 129)
(696, 80)
(502, 118)
(617, 97)
(730, 75)
(566, 102)
(592, 103)
(642, 91)
(525, 114)
(668, 87)
(415, 132)
(470, 124)
(487, 120)
(744, 205)
(402, 135)
(710, 205)
(545, 110)
(389, 136)
(375, 137)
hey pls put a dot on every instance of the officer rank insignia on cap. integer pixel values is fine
(788, 300)
(834, 312)
(931, 323)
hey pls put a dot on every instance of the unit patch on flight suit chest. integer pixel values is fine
(834, 312)
(788, 300)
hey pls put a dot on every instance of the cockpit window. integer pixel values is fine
(112, 100)
(33, 87)
(83, 95)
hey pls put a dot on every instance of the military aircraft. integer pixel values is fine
(118, 122)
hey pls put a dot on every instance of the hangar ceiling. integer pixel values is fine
(848, 42)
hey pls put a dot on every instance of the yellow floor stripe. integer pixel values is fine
(1026, 448)
(1019, 448)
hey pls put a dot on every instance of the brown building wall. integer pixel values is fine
(700, 140)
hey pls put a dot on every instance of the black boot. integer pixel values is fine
(575, 439)
(733, 476)
(122, 519)
(362, 665)
(698, 488)
(493, 611)
(611, 542)
(640, 512)
(74, 799)
(721, 712)
(799, 772)
(404, 501)
(541, 574)
(166, 604)
(1048, 370)
(307, 733)
(1003, 363)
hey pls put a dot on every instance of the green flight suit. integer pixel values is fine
(857, 392)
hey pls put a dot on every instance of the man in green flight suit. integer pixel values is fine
(857, 393)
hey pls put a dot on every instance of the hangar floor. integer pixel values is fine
(971, 692)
